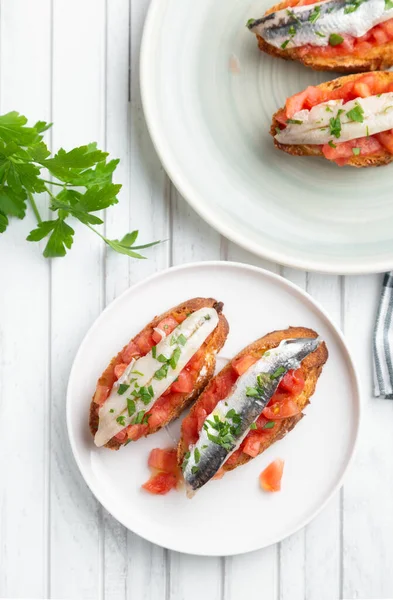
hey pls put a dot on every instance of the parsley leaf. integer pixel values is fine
(388, 4)
(356, 114)
(80, 184)
(335, 39)
(315, 14)
(335, 124)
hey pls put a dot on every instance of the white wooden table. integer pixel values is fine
(76, 62)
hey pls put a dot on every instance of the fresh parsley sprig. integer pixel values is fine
(81, 177)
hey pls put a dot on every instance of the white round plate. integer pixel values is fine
(209, 95)
(232, 515)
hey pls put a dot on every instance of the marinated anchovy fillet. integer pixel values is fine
(147, 378)
(336, 121)
(226, 427)
(322, 23)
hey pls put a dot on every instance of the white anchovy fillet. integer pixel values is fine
(313, 24)
(142, 374)
(315, 126)
(250, 394)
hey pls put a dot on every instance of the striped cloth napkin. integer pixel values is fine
(383, 342)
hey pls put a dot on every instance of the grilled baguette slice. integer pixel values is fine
(375, 160)
(311, 368)
(211, 346)
(377, 58)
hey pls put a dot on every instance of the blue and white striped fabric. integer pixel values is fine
(383, 342)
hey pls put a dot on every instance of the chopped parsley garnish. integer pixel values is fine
(356, 114)
(379, 95)
(332, 144)
(146, 394)
(204, 446)
(252, 392)
(387, 108)
(316, 13)
(388, 4)
(197, 455)
(320, 34)
(278, 130)
(181, 340)
(139, 417)
(352, 6)
(194, 470)
(231, 413)
(130, 407)
(335, 124)
(269, 425)
(335, 39)
(292, 30)
(367, 131)
(154, 351)
(253, 426)
(291, 14)
(277, 373)
(250, 22)
(294, 121)
(207, 317)
(121, 420)
(356, 151)
(267, 353)
(112, 410)
(123, 387)
(285, 44)
(328, 109)
(137, 373)
(175, 358)
(162, 358)
(127, 442)
(162, 372)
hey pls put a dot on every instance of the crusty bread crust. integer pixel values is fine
(375, 160)
(379, 57)
(311, 368)
(213, 344)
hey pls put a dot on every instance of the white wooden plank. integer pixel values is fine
(368, 490)
(238, 254)
(193, 577)
(24, 306)
(322, 536)
(79, 116)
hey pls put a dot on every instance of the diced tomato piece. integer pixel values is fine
(380, 35)
(388, 28)
(201, 415)
(386, 139)
(252, 443)
(347, 44)
(345, 92)
(282, 117)
(160, 484)
(363, 47)
(196, 362)
(102, 393)
(119, 370)
(343, 151)
(167, 325)
(163, 460)
(190, 429)
(295, 103)
(144, 342)
(292, 382)
(261, 422)
(361, 89)
(122, 435)
(184, 383)
(242, 364)
(159, 414)
(131, 351)
(281, 410)
(134, 432)
(270, 478)
(233, 459)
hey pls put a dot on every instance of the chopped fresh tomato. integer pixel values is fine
(145, 342)
(122, 435)
(131, 351)
(292, 382)
(134, 432)
(160, 484)
(197, 361)
(270, 478)
(102, 393)
(242, 364)
(159, 413)
(385, 138)
(167, 325)
(234, 458)
(163, 460)
(184, 383)
(281, 409)
(119, 370)
(189, 428)
(252, 443)
(201, 415)
(344, 151)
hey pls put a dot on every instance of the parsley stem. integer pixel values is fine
(34, 207)
(54, 183)
(97, 232)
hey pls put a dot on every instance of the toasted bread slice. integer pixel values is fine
(377, 58)
(311, 369)
(375, 160)
(211, 346)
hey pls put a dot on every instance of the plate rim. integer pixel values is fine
(264, 273)
(192, 196)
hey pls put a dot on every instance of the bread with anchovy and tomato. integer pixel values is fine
(348, 36)
(158, 373)
(348, 120)
(252, 402)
